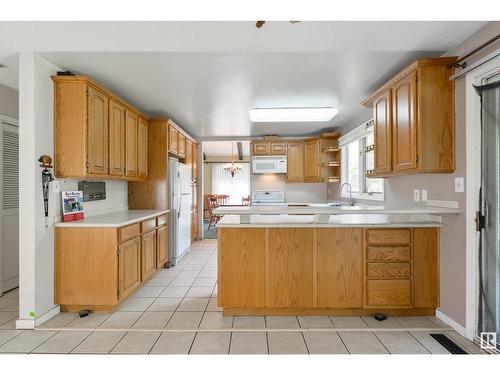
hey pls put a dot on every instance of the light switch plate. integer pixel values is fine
(459, 185)
(416, 195)
(423, 195)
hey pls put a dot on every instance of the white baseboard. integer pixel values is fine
(32, 323)
(446, 319)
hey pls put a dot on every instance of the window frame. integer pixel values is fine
(358, 134)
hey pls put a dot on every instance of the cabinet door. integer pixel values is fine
(195, 165)
(295, 162)
(404, 127)
(97, 132)
(291, 267)
(173, 139)
(131, 143)
(383, 133)
(182, 145)
(116, 139)
(194, 224)
(312, 161)
(161, 246)
(189, 155)
(426, 266)
(339, 267)
(260, 148)
(129, 267)
(142, 153)
(278, 148)
(148, 250)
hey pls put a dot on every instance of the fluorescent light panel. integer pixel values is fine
(300, 114)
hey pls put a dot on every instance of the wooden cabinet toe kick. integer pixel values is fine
(248, 311)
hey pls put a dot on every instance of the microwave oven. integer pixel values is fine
(269, 164)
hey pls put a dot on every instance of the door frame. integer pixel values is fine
(473, 183)
(15, 122)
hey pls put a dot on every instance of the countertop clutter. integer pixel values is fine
(114, 219)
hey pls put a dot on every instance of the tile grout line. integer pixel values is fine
(343, 343)
(388, 351)
(420, 342)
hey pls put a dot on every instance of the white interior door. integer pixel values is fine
(9, 205)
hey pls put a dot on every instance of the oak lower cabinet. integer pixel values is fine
(328, 271)
(96, 268)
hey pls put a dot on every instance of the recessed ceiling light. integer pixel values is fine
(3, 66)
(298, 114)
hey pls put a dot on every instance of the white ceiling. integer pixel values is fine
(207, 75)
(224, 148)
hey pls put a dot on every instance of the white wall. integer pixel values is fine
(36, 245)
(9, 101)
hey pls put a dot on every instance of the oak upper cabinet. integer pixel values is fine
(383, 132)
(414, 116)
(312, 167)
(195, 162)
(97, 132)
(148, 254)
(188, 158)
(142, 144)
(116, 138)
(181, 151)
(131, 140)
(404, 137)
(277, 148)
(173, 139)
(161, 246)
(260, 148)
(129, 267)
(295, 162)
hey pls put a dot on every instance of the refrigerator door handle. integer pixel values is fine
(180, 206)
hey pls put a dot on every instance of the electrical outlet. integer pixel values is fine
(416, 195)
(423, 195)
(459, 185)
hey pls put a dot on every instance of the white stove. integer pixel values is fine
(268, 198)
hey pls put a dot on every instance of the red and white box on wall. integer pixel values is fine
(72, 205)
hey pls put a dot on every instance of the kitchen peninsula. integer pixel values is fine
(329, 261)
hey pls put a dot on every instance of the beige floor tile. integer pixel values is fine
(415, 322)
(189, 273)
(193, 304)
(169, 272)
(212, 305)
(282, 322)
(8, 334)
(165, 304)
(60, 320)
(211, 343)
(160, 281)
(216, 320)
(7, 301)
(208, 273)
(99, 342)
(12, 307)
(173, 343)
(467, 345)
(11, 324)
(121, 319)
(136, 304)
(91, 321)
(249, 322)
(362, 343)
(205, 281)
(183, 281)
(194, 266)
(5, 316)
(153, 320)
(185, 320)
(315, 322)
(61, 343)
(136, 343)
(199, 291)
(149, 291)
(175, 291)
(248, 343)
(26, 341)
(400, 343)
(214, 292)
(438, 322)
(286, 343)
(390, 322)
(348, 322)
(429, 343)
(324, 343)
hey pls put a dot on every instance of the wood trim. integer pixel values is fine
(266, 266)
(328, 312)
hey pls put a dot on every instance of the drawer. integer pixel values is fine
(388, 253)
(128, 232)
(161, 220)
(388, 293)
(388, 270)
(388, 236)
(148, 225)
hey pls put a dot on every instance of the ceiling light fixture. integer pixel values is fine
(232, 168)
(298, 114)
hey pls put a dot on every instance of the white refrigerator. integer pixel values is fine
(180, 187)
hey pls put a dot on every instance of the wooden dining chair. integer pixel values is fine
(222, 199)
(245, 201)
(214, 218)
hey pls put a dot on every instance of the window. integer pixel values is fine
(237, 187)
(357, 158)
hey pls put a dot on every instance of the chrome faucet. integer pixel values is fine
(351, 201)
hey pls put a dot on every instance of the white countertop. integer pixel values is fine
(114, 219)
(352, 220)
